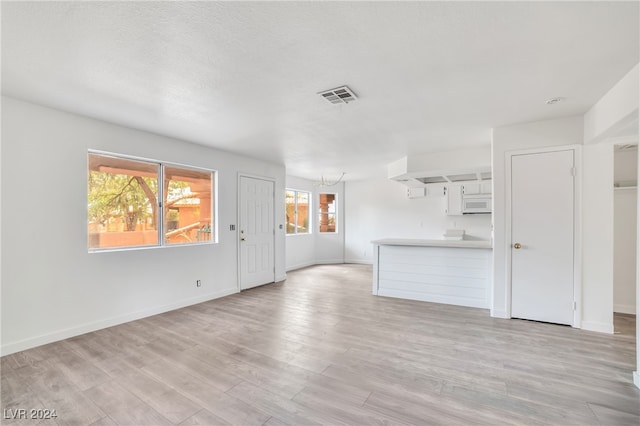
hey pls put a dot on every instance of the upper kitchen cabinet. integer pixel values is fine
(477, 188)
(464, 177)
(431, 190)
(454, 200)
(469, 198)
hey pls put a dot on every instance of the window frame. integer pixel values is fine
(160, 203)
(334, 213)
(295, 219)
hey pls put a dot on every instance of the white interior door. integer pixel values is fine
(542, 232)
(257, 236)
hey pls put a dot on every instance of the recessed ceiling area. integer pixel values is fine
(245, 76)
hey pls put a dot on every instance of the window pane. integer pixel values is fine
(327, 217)
(302, 220)
(297, 211)
(188, 206)
(290, 208)
(122, 202)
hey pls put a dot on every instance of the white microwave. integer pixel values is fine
(476, 204)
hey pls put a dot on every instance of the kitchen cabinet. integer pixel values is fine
(457, 192)
(434, 190)
(454, 200)
(439, 271)
(471, 188)
(477, 188)
(485, 187)
(416, 192)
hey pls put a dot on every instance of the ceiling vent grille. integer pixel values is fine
(339, 95)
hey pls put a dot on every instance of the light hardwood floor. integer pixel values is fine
(320, 349)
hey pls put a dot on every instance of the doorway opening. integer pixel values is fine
(625, 181)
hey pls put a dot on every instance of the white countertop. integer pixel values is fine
(483, 244)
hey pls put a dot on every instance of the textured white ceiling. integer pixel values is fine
(244, 76)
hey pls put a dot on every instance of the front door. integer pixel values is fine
(542, 232)
(257, 239)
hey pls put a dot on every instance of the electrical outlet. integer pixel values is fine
(198, 283)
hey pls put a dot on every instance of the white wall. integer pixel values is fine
(566, 131)
(316, 248)
(597, 238)
(52, 288)
(617, 108)
(380, 208)
(624, 249)
(617, 113)
(330, 245)
(301, 249)
(596, 210)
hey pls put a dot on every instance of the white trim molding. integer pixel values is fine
(601, 327)
(624, 309)
(577, 243)
(500, 314)
(55, 336)
(240, 175)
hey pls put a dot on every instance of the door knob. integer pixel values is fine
(517, 246)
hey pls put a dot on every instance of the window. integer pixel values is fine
(327, 213)
(125, 211)
(188, 205)
(297, 210)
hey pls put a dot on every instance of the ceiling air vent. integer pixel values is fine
(339, 95)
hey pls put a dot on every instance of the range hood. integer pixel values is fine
(442, 167)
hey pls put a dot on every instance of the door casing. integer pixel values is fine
(577, 225)
(239, 203)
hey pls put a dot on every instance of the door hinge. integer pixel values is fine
(575, 306)
(573, 171)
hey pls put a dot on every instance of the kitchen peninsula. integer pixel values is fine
(456, 272)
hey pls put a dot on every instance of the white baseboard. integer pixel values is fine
(359, 261)
(433, 298)
(499, 314)
(55, 336)
(625, 309)
(330, 262)
(636, 378)
(600, 327)
(299, 266)
(327, 262)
